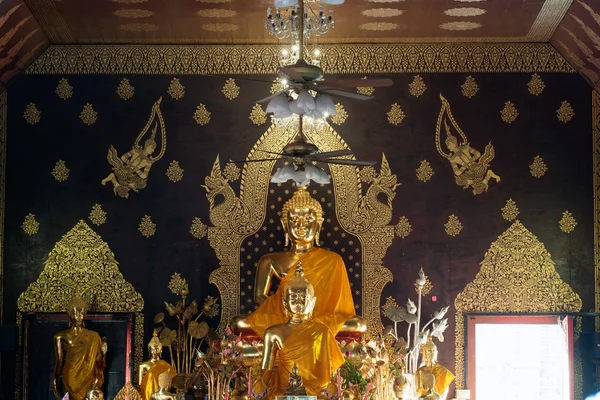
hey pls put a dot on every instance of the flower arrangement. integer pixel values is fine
(185, 341)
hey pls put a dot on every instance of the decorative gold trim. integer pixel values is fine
(51, 21)
(517, 275)
(264, 59)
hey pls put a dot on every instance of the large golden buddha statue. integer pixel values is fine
(306, 349)
(150, 371)
(432, 380)
(302, 218)
(80, 355)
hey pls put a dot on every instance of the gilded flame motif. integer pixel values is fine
(509, 113)
(88, 115)
(147, 228)
(367, 174)
(198, 229)
(517, 275)
(567, 223)
(176, 89)
(536, 85)
(32, 115)
(64, 90)
(30, 226)
(510, 212)
(230, 89)
(469, 88)
(128, 392)
(565, 112)
(340, 115)
(417, 87)
(395, 115)
(60, 172)
(231, 172)
(538, 167)
(97, 215)
(174, 172)
(125, 90)
(424, 172)
(202, 115)
(258, 116)
(453, 227)
(403, 228)
(366, 90)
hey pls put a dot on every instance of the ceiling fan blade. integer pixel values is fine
(348, 162)
(353, 83)
(336, 153)
(343, 93)
(249, 161)
(291, 74)
(267, 99)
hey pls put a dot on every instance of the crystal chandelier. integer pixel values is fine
(288, 27)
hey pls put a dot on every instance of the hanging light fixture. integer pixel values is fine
(301, 174)
(284, 105)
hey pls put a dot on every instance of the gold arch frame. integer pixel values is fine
(235, 218)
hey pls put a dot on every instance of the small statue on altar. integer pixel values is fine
(164, 383)
(303, 346)
(295, 385)
(95, 394)
(432, 380)
(80, 355)
(150, 370)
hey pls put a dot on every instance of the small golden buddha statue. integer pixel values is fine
(302, 218)
(150, 370)
(303, 346)
(295, 385)
(432, 380)
(80, 355)
(95, 394)
(164, 383)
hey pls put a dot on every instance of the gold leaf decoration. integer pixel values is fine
(202, 115)
(366, 90)
(32, 115)
(277, 86)
(64, 90)
(538, 167)
(403, 227)
(427, 287)
(220, 27)
(510, 210)
(231, 90)
(453, 227)
(138, 27)
(469, 88)
(395, 115)
(382, 12)
(258, 116)
(128, 392)
(147, 227)
(340, 115)
(176, 89)
(465, 12)
(125, 90)
(424, 172)
(174, 172)
(509, 113)
(133, 13)
(97, 215)
(460, 26)
(565, 112)
(198, 229)
(216, 13)
(367, 174)
(536, 85)
(417, 87)
(378, 26)
(231, 172)
(88, 114)
(30, 225)
(567, 223)
(60, 172)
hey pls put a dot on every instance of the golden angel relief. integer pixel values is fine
(470, 167)
(131, 170)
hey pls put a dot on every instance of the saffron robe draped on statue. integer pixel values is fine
(84, 363)
(149, 383)
(325, 270)
(443, 378)
(314, 350)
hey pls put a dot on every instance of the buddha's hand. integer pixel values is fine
(55, 388)
(104, 346)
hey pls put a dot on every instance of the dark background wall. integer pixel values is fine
(148, 263)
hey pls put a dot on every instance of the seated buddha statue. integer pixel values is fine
(305, 349)
(164, 382)
(80, 355)
(432, 380)
(302, 218)
(150, 370)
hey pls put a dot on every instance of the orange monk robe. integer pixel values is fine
(84, 363)
(149, 383)
(443, 379)
(326, 271)
(314, 350)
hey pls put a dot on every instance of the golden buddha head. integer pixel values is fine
(164, 380)
(429, 352)
(95, 394)
(76, 310)
(299, 295)
(302, 218)
(155, 346)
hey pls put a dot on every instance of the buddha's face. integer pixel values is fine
(95, 394)
(78, 317)
(302, 225)
(429, 355)
(155, 352)
(299, 301)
